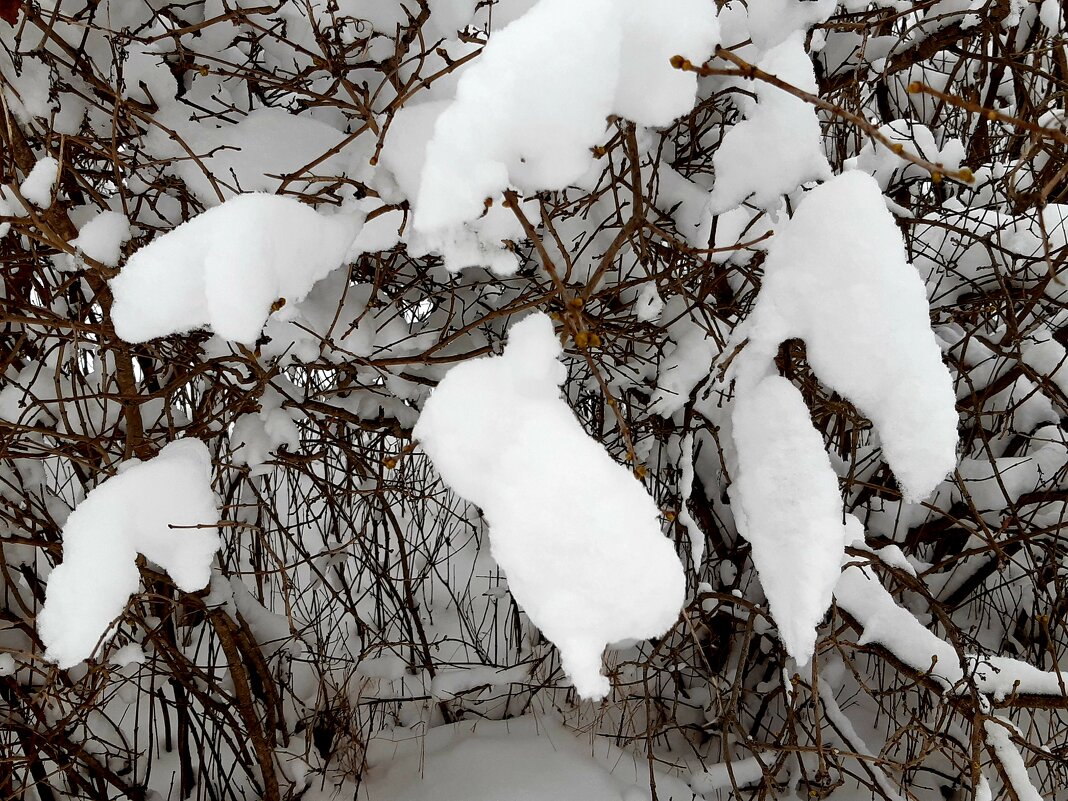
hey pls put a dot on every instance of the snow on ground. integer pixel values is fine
(152, 508)
(576, 533)
(227, 267)
(523, 759)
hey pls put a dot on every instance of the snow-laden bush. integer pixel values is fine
(533, 399)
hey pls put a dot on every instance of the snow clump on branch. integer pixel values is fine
(576, 533)
(164, 509)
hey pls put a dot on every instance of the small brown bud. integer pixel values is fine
(582, 339)
(966, 175)
(936, 177)
(389, 462)
(915, 87)
(595, 340)
(278, 304)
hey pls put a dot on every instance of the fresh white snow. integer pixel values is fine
(103, 236)
(778, 146)
(163, 508)
(576, 533)
(41, 182)
(837, 277)
(227, 267)
(789, 508)
(528, 112)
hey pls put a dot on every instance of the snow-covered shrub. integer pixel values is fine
(533, 399)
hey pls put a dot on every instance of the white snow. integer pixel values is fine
(1043, 354)
(865, 599)
(778, 146)
(686, 363)
(649, 91)
(686, 476)
(723, 776)
(773, 21)
(520, 116)
(649, 304)
(40, 183)
(226, 267)
(103, 236)
(999, 731)
(788, 506)
(164, 509)
(130, 654)
(256, 434)
(685, 201)
(1052, 16)
(527, 112)
(844, 731)
(999, 482)
(451, 683)
(576, 533)
(524, 759)
(837, 276)
(878, 160)
(251, 155)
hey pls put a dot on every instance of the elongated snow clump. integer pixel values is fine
(163, 508)
(576, 533)
(789, 509)
(228, 267)
(836, 276)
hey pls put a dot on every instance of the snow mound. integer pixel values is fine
(537, 99)
(576, 533)
(103, 236)
(151, 508)
(227, 267)
(524, 759)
